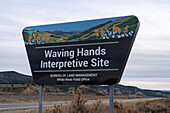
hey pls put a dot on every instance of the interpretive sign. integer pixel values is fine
(91, 52)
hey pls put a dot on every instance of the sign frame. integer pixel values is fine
(39, 48)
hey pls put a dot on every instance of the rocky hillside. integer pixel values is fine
(131, 91)
(119, 90)
(12, 77)
(20, 84)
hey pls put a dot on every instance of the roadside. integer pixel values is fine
(49, 104)
(120, 106)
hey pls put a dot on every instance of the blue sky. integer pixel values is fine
(73, 26)
(149, 62)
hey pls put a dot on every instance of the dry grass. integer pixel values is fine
(30, 94)
(79, 105)
(153, 106)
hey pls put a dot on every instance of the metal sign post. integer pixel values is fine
(40, 99)
(111, 99)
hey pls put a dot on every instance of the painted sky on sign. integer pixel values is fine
(73, 26)
(148, 65)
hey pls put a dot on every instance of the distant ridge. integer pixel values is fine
(119, 90)
(12, 77)
(166, 91)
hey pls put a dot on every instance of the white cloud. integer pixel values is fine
(148, 83)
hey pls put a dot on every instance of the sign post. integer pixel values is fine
(92, 52)
(111, 99)
(40, 99)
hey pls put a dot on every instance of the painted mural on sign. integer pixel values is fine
(102, 29)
